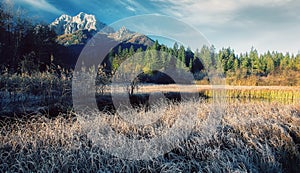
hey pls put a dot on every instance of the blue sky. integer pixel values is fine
(240, 24)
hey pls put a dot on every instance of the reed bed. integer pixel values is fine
(250, 137)
(285, 94)
(290, 96)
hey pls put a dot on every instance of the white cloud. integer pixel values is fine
(41, 5)
(133, 5)
(130, 8)
(239, 23)
(211, 11)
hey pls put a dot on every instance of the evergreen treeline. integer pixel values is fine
(275, 67)
(270, 68)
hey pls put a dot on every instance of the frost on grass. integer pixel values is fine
(249, 138)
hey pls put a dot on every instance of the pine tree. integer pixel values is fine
(181, 57)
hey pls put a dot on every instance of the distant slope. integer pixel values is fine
(74, 32)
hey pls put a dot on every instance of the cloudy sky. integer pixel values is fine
(240, 24)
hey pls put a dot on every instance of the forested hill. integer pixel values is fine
(28, 47)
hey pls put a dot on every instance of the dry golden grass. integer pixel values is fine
(251, 137)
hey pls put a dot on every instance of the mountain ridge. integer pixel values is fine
(71, 41)
(66, 24)
(77, 30)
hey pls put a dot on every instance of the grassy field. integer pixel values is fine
(258, 133)
(286, 94)
(262, 137)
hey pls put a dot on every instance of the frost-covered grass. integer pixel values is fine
(251, 137)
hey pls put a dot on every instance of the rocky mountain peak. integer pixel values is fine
(66, 24)
(75, 30)
(122, 34)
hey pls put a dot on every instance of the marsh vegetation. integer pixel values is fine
(250, 138)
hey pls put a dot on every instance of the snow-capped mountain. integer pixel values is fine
(66, 24)
(77, 30)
